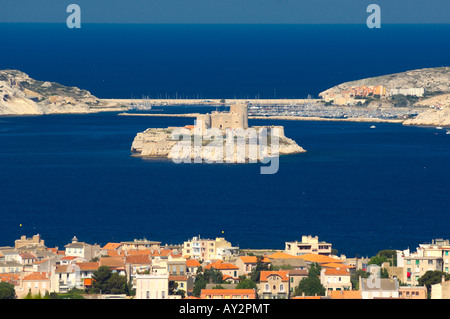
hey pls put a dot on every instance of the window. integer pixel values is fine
(266, 287)
(281, 287)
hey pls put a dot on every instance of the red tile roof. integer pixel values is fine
(36, 276)
(192, 263)
(222, 266)
(265, 274)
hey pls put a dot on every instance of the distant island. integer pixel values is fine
(162, 142)
(414, 97)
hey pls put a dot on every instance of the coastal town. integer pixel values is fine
(202, 268)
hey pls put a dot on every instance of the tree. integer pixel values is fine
(377, 260)
(107, 282)
(354, 278)
(384, 256)
(260, 266)
(247, 283)
(204, 277)
(311, 286)
(432, 277)
(218, 287)
(7, 291)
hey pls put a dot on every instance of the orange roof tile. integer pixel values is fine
(112, 253)
(265, 274)
(113, 246)
(192, 263)
(161, 252)
(253, 259)
(36, 276)
(336, 272)
(138, 259)
(113, 262)
(139, 252)
(61, 268)
(345, 294)
(177, 278)
(319, 258)
(69, 257)
(336, 265)
(282, 255)
(221, 266)
(9, 277)
(89, 265)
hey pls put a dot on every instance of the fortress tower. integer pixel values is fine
(236, 118)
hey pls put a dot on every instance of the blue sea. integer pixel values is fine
(361, 189)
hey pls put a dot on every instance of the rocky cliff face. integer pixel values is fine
(22, 95)
(158, 142)
(431, 117)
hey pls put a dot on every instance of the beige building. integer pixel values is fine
(274, 284)
(140, 244)
(308, 245)
(152, 286)
(378, 288)
(205, 249)
(441, 290)
(83, 250)
(246, 264)
(335, 279)
(295, 276)
(35, 284)
(412, 292)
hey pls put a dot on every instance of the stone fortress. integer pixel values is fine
(236, 118)
(158, 142)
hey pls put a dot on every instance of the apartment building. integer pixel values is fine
(206, 249)
(308, 245)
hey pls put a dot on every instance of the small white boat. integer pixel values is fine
(373, 126)
(439, 128)
(448, 132)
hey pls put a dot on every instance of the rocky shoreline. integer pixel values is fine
(161, 143)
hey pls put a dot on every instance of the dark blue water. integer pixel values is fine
(218, 61)
(361, 189)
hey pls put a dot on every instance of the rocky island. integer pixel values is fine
(162, 142)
